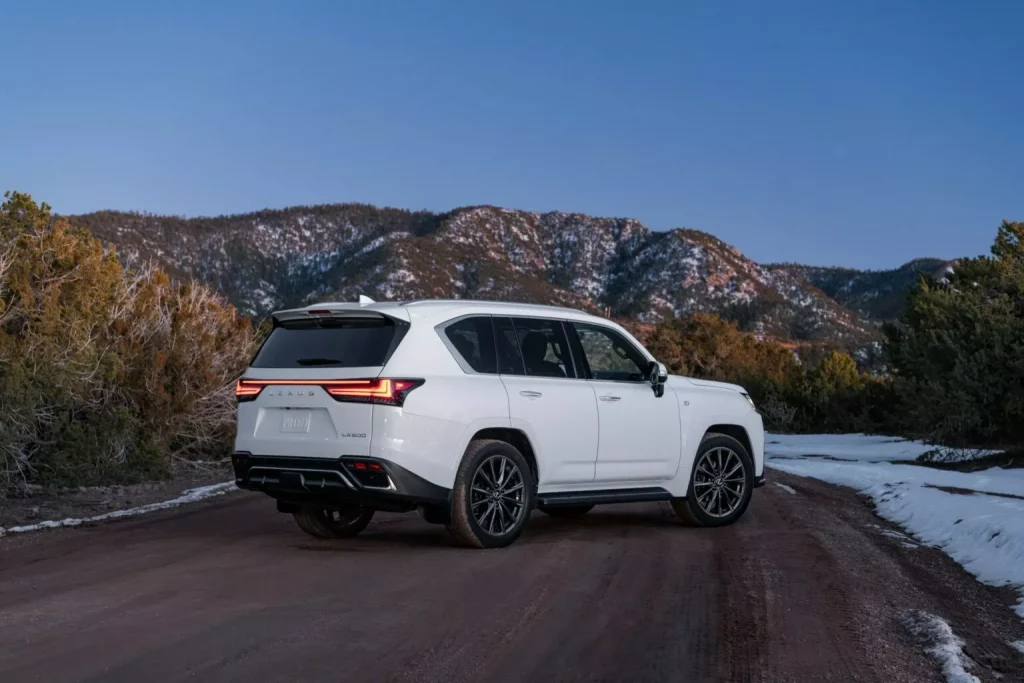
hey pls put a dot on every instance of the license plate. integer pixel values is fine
(295, 422)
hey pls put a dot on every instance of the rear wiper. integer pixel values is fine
(320, 361)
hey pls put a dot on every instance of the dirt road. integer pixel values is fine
(810, 586)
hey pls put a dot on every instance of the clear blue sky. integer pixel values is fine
(850, 133)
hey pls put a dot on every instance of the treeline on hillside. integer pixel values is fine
(954, 360)
(823, 393)
(106, 374)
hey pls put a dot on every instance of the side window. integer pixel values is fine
(510, 361)
(544, 347)
(609, 355)
(473, 339)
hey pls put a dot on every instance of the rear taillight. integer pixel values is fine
(247, 390)
(388, 392)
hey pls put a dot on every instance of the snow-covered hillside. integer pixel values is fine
(877, 294)
(273, 259)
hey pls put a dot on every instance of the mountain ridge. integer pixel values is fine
(876, 294)
(276, 258)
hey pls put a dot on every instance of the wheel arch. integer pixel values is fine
(515, 437)
(680, 485)
(737, 432)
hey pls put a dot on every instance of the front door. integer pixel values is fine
(639, 432)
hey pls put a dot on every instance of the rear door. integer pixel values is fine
(547, 401)
(305, 393)
(639, 431)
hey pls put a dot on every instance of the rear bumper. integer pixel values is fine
(334, 481)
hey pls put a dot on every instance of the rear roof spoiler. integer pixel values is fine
(298, 314)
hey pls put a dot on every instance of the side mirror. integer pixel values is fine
(657, 375)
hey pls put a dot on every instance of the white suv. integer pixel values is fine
(475, 413)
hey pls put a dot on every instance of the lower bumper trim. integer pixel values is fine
(326, 481)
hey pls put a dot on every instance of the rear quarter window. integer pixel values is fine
(331, 343)
(473, 340)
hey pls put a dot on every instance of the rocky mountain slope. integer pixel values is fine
(274, 259)
(875, 294)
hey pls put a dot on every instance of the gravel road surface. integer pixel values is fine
(809, 586)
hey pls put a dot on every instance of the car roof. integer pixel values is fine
(442, 309)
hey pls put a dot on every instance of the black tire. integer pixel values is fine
(514, 509)
(693, 511)
(565, 510)
(341, 522)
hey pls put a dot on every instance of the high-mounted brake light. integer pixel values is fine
(389, 392)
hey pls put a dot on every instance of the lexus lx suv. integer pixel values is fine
(476, 413)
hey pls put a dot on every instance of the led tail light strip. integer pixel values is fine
(383, 391)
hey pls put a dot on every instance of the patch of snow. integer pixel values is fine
(378, 242)
(984, 533)
(1018, 645)
(860, 447)
(907, 541)
(189, 496)
(941, 644)
(787, 489)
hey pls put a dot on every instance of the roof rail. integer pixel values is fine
(478, 302)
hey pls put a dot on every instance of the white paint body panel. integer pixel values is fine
(561, 423)
(579, 442)
(639, 432)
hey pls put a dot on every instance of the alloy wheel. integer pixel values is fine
(719, 482)
(497, 495)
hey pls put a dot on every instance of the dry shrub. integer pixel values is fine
(106, 374)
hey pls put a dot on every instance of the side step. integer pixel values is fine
(603, 497)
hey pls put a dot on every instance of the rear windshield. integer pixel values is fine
(330, 343)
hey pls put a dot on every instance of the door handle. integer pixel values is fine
(611, 399)
(530, 394)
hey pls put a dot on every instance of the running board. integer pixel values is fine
(603, 497)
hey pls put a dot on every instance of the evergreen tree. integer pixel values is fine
(957, 351)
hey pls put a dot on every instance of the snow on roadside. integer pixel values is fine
(845, 446)
(787, 489)
(189, 496)
(982, 532)
(941, 644)
(850, 447)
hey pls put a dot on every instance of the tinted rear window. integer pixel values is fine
(510, 361)
(544, 348)
(473, 339)
(329, 343)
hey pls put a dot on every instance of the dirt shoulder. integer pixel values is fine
(37, 505)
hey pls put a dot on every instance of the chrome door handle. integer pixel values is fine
(611, 399)
(530, 394)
